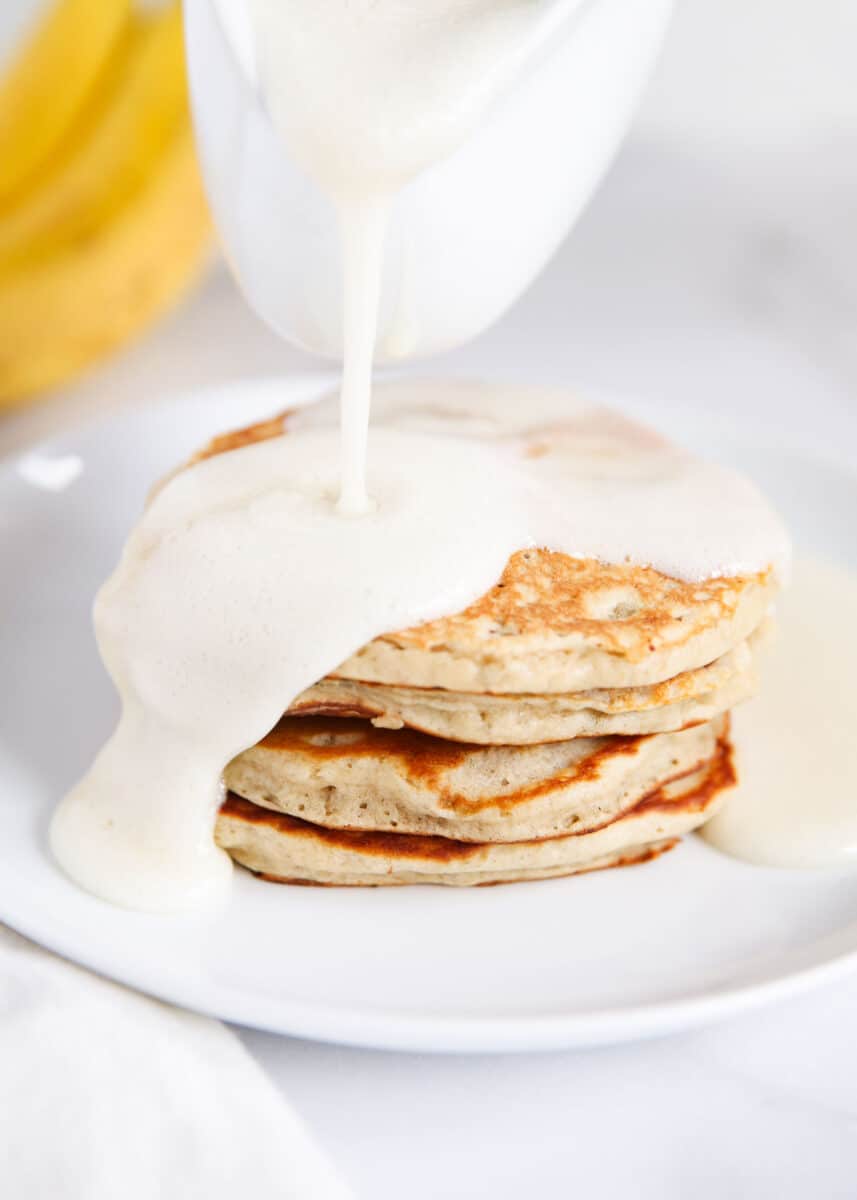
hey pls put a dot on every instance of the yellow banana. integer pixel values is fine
(74, 308)
(111, 151)
(50, 80)
(115, 227)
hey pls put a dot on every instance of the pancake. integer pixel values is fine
(346, 774)
(498, 720)
(559, 624)
(290, 850)
(571, 718)
(552, 624)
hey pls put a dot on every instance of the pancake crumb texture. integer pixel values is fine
(346, 774)
(559, 624)
(289, 849)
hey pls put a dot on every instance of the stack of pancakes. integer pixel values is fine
(575, 717)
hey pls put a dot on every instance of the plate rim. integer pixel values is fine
(389, 1029)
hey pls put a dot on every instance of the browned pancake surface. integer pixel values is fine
(671, 797)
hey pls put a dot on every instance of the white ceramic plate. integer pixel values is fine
(605, 957)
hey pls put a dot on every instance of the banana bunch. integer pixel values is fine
(103, 219)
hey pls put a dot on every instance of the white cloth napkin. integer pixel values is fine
(107, 1094)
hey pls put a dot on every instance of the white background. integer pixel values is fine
(714, 280)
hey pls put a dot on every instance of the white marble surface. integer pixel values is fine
(713, 289)
(765, 1107)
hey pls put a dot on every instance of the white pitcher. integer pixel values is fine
(467, 236)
